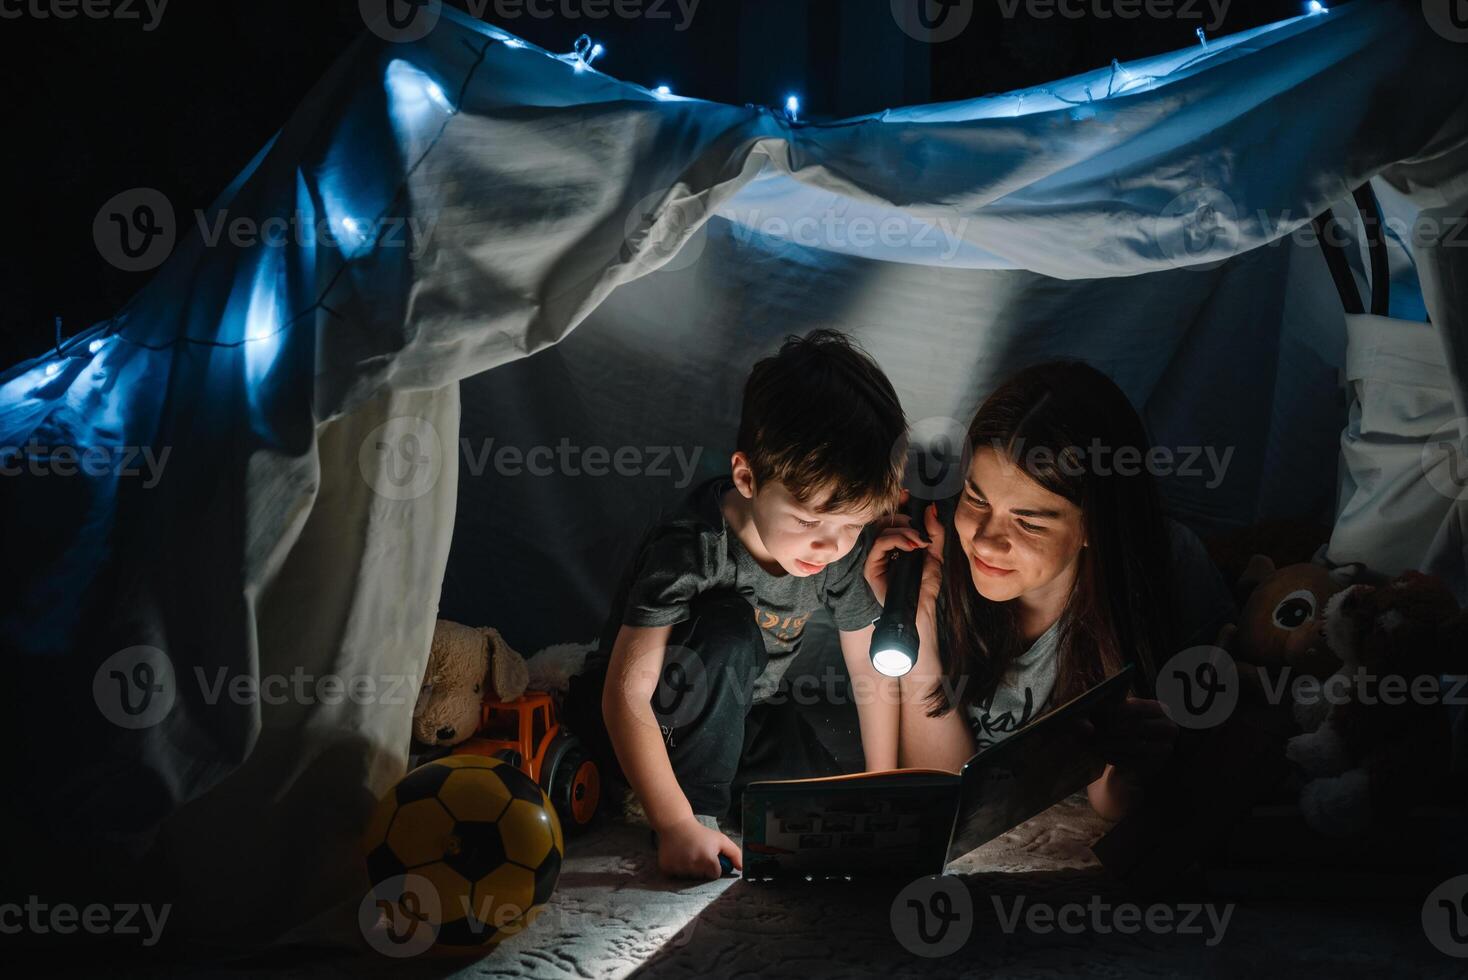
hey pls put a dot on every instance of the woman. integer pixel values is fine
(1055, 569)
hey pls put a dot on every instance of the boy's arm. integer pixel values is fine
(626, 703)
(877, 701)
(685, 847)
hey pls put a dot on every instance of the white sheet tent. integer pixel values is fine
(327, 402)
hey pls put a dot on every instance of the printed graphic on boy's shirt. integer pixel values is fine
(784, 627)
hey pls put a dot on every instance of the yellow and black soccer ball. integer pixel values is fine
(466, 848)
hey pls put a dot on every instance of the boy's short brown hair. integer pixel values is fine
(821, 416)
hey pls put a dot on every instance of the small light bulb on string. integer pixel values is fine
(53, 369)
(584, 52)
(95, 346)
(435, 92)
(513, 42)
(1316, 7)
(792, 108)
(1202, 38)
(663, 91)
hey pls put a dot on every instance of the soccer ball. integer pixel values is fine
(463, 852)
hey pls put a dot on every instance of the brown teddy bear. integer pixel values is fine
(1384, 742)
(1281, 619)
(462, 661)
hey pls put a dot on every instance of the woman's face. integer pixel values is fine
(1020, 539)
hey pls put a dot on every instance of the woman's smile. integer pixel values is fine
(984, 568)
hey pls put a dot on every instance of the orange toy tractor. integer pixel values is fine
(526, 734)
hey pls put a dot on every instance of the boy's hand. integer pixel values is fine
(898, 534)
(895, 533)
(688, 849)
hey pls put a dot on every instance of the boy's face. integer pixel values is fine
(802, 538)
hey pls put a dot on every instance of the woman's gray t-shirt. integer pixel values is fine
(1203, 605)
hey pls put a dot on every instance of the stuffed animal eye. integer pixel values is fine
(476, 688)
(1295, 609)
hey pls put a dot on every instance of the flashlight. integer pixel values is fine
(895, 639)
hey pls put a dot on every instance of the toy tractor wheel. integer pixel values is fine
(512, 756)
(575, 787)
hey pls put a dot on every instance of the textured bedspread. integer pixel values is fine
(615, 916)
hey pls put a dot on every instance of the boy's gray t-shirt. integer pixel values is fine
(695, 551)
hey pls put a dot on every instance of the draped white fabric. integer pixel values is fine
(485, 199)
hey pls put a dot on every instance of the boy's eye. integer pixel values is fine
(806, 523)
(1032, 528)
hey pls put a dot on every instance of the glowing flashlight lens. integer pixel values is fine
(892, 662)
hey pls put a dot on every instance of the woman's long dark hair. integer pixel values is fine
(1064, 423)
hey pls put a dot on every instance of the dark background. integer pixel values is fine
(92, 107)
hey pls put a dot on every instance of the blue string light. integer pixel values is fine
(792, 108)
(584, 52)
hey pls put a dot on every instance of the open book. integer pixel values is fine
(914, 821)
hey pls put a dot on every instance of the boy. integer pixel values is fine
(714, 605)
